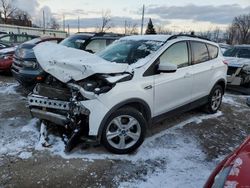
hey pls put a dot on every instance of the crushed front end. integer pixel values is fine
(74, 106)
(238, 71)
(58, 105)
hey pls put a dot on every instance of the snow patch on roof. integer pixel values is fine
(161, 38)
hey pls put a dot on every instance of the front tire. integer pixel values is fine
(124, 131)
(214, 100)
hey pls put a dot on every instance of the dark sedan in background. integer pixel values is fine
(25, 68)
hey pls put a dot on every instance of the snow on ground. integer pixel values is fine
(184, 162)
(16, 140)
(150, 149)
(9, 88)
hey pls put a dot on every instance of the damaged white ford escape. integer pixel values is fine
(113, 96)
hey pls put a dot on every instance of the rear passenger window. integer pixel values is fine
(213, 51)
(200, 53)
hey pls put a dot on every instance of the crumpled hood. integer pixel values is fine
(237, 62)
(67, 64)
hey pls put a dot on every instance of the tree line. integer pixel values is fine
(9, 11)
(237, 33)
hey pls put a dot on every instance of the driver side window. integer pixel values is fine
(176, 54)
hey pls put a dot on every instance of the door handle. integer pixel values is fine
(187, 75)
(148, 87)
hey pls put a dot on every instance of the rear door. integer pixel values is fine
(203, 68)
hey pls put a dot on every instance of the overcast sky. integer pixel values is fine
(178, 15)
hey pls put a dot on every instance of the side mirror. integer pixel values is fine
(167, 67)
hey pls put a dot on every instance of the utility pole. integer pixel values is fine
(142, 19)
(68, 30)
(78, 24)
(63, 22)
(125, 27)
(43, 22)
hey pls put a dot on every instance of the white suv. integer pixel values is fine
(137, 81)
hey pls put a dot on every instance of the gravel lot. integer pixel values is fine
(178, 152)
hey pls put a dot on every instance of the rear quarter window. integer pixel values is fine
(213, 51)
(199, 52)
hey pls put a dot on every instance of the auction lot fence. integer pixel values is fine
(31, 30)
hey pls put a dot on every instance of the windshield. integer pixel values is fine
(129, 51)
(74, 42)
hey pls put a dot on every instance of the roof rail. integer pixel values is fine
(108, 34)
(186, 35)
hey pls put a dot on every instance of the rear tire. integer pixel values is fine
(214, 100)
(124, 131)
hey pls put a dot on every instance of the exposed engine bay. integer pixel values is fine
(59, 104)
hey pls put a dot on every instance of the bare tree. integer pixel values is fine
(206, 34)
(106, 21)
(231, 35)
(7, 9)
(162, 30)
(216, 34)
(131, 29)
(242, 24)
(53, 24)
(20, 15)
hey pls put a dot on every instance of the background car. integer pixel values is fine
(28, 72)
(3, 45)
(10, 42)
(25, 68)
(90, 42)
(234, 170)
(238, 59)
(16, 39)
(6, 58)
(224, 47)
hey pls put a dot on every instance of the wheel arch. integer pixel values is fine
(136, 103)
(222, 83)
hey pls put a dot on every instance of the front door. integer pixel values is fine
(172, 90)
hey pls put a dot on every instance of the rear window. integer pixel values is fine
(231, 52)
(244, 53)
(200, 53)
(213, 51)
